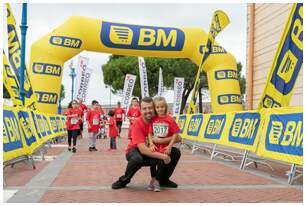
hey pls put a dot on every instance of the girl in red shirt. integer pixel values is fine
(133, 114)
(74, 115)
(112, 130)
(161, 126)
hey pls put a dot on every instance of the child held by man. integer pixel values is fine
(162, 126)
(112, 130)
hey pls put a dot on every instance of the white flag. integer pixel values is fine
(83, 77)
(160, 83)
(178, 92)
(143, 78)
(128, 90)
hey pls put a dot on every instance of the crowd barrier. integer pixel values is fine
(268, 133)
(24, 131)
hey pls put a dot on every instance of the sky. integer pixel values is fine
(43, 18)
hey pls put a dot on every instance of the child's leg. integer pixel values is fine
(90, 137)
(115, 146)
(75, 136)
(94, 139)
(69, 138)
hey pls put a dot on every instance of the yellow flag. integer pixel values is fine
(10, 82)
(219, 22)
(287, 63)
(14, 54)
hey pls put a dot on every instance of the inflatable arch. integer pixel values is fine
(49, 53)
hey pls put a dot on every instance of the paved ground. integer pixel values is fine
(86, 177)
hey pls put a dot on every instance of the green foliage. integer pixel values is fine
(117, 67)
(62, 94)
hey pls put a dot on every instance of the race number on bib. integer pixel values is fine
(160, 129)
(74, 120)
(95, 122)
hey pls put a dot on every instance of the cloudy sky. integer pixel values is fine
(43, 18)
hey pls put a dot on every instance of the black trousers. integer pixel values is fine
(73, 134)
(137, 160)
(113, 143)
(119, 125)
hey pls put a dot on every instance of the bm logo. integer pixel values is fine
(215, 126)
(127, 36)
(181, 123)
(11, 132)
(244, 128)
(66, 42)
(47, 98)
(290, 58)
(47, 69)
(195, 124)
(285, 134)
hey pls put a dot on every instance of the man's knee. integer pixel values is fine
(138, 160)
(176, 153)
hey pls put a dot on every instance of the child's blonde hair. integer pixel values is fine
(160, 99)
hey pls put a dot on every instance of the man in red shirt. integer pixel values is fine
(119, 113)
(138, 154)
(133, 114)
(84, 109)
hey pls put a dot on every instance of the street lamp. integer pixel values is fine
(72, 75)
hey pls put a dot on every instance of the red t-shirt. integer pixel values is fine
(163, 127)
(139, 133)
(119, 112)
(112, 128)
(134, 112)
(73, 123)
(93, 117)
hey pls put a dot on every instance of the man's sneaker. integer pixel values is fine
(168, 183)
(74, 150)
(94, 149)
(118, 185)
(69, 149)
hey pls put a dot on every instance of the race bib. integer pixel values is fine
(95, 122)
(119, 115)
(160, 129)
(74, 120)
(102, 116)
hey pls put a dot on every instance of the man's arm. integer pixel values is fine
(166, 140)
(144, 150)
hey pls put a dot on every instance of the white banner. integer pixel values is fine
(83, 77)
(178, 92)
(128, 90)
(143, 78)
(160, 83)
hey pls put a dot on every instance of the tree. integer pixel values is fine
(117, 67)
(242, 80)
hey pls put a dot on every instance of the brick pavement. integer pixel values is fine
(87, 177)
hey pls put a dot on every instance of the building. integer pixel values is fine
(266, 23)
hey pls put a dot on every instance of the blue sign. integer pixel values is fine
(285, 134)
(215, 126)
(26, 128)
(47, 69)
(195, 124)
(65, 41)
(181, 123)
(128, 36)
(244, 128)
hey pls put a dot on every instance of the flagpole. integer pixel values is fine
(23, 28)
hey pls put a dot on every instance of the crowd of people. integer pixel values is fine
(151, 135)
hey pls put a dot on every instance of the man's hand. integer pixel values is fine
(168, 150)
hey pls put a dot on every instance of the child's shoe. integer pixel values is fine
(74, 150)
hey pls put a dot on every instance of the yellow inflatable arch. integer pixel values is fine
(49, 54)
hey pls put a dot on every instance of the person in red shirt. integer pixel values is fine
(74, 115)
(138, 154)
(119, 114)
(93, 118)
(84, 109)
(133, 114)
(112, 130)
(162, 125)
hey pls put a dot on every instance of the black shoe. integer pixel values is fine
(118, 185)
(74, 150)
(168, 183)
(69, 149)
(94, 149)
(90, 149)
